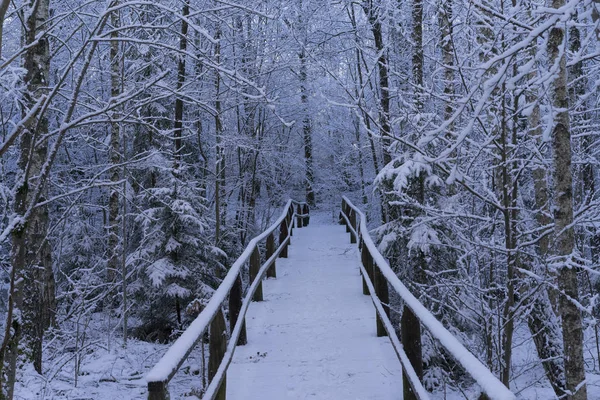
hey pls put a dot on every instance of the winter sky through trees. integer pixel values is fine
(143, 144)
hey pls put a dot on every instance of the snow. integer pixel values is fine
(488, 382)
(177, 353)
(105, 373)
(314, 336)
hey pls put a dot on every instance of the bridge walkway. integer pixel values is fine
(314, 335)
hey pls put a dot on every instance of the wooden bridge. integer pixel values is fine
(312, 332)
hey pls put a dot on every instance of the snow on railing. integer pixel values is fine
(377, 274)
(211, 318)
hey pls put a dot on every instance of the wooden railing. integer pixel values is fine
(222, 342)
(378, 277)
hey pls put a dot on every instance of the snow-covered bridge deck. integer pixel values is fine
(314, 335)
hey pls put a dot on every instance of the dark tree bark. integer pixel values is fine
(3, 8)
(220, 173)
(183, 41)
(306, 120)
(360, 92)
(32, 302)
(374, 16)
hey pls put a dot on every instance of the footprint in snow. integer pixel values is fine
(258, 356)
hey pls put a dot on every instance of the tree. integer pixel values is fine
(32, 299)
(564, 240)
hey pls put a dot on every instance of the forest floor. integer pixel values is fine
(312, 338)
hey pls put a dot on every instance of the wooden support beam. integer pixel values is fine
(283, 232)
(363, 259)
(299, 219)
(235, 305)
(290, 219)
(305, 211)
(158, 391)
(272, 270)
(254, 268)
(381, 290)
(410, 327)
(217, 349)
(353, 224)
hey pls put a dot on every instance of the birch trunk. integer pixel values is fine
(564, 240)
(115, 155)
(447, 57)
(541, 319)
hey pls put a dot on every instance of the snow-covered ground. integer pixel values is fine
(313, 337)
(115, 373)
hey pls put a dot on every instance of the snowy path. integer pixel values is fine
(314, 335)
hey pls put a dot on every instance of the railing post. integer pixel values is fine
(217, 349)
(381, 290)
(353, 223)
(158, 391)
(299, 219)
(370, 267)
(254, 268)
(272, 270)
(235, 305)
(290, 219)
(363, 259)
(410, 327)
(347, 220)
(305, 211)
(283, 232)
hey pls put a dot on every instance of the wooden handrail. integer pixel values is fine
(221, 349)
(377, 276)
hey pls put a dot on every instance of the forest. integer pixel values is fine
(143, 144)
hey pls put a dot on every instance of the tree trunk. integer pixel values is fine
(417, 59)
(3, 8)
(447, 57)
(541, 319)
(360, 92)
(115, 155)
(180, 82)
(564, 240)
(32, 303)
(306, 120)
(384, 84)
(373, 15)
(508, 190)
(220, 201)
